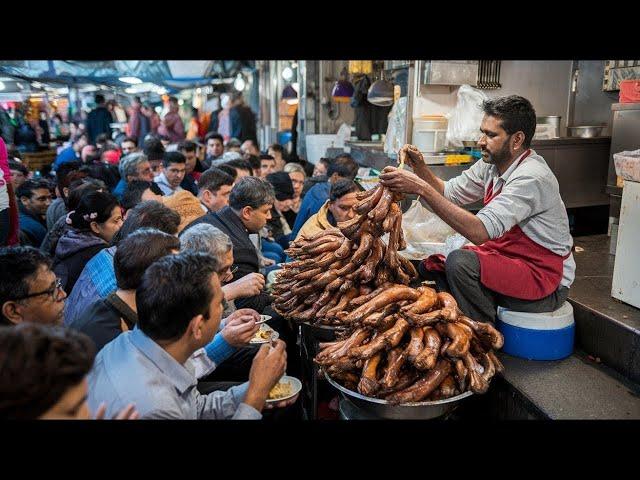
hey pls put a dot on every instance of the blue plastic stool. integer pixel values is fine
(537, 336)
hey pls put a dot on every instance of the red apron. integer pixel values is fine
(513, 264)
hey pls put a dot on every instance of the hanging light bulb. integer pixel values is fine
(287, 74)
(239, 83)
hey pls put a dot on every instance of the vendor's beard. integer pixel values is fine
(499, 157)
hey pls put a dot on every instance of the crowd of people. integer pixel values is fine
(132, 277)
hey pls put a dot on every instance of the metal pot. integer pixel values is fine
(553, 120)
(406, 411)
(587, 131)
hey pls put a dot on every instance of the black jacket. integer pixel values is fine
(243, 123)
(73, 251)
(98, 122)
(245, 256)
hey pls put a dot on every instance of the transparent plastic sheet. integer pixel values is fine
(394, 139)
(426, 234)
(466, 116)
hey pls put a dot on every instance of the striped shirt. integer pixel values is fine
(529, 197)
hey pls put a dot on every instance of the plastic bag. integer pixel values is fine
(466, 116)
(343, 134)
(427, 234)
(394, 139)
(627, 165)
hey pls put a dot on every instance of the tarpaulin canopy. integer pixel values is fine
(171, 74)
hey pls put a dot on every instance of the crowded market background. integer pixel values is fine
(227, 232)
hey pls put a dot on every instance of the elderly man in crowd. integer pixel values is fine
(134, 166)
(208, 239)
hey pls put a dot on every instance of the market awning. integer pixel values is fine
(171, 74)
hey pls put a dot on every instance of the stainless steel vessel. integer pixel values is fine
(406, 411)
(585, 131)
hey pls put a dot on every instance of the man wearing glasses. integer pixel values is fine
(29, 290)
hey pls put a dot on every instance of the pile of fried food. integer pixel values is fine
(339, 269)
(419, 348)
(401, 344)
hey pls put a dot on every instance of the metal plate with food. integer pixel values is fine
(266, 334)
(263, 318)
(286, 388)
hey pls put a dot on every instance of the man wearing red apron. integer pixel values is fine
(521, 258)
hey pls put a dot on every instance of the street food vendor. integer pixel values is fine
(521, 254)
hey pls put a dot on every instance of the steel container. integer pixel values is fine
(405, 411)
(587, 131)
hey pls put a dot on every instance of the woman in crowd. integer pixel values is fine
(94, 222)
(76, 190)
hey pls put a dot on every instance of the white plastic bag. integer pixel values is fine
(394, 139)
(343, 134)
(466, 116)
(427, 234)
(627, 165)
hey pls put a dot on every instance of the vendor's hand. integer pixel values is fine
(127, 413)
(413, 157)
(240, 330)
(247, 286)
(401, 181)
(267, 262)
